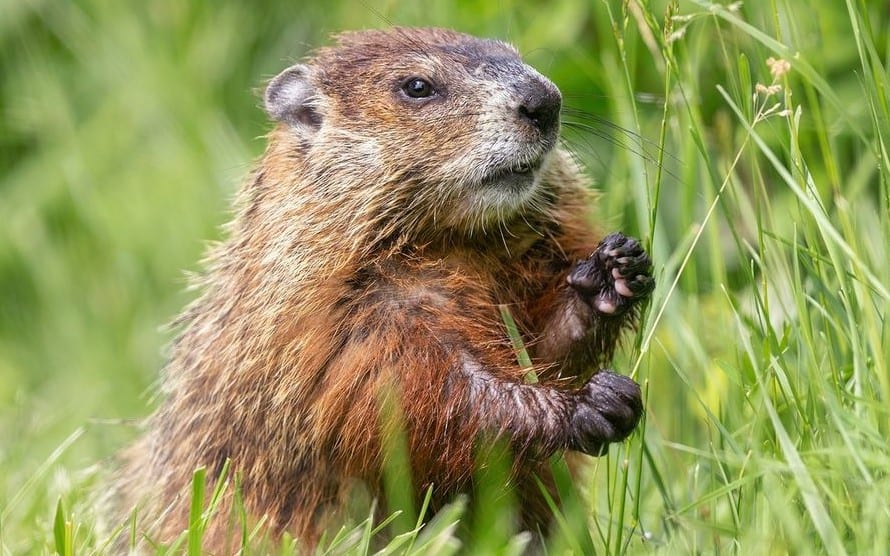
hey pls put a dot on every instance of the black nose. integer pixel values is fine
(540, 105)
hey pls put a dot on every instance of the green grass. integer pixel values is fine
(127, 126)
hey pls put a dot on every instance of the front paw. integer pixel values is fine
(608, 409)
(615, 276)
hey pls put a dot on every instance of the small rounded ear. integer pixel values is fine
(289, 98)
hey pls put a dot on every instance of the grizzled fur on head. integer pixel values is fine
(411, 186)
(441, 156)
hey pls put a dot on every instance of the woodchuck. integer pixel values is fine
(412, 185)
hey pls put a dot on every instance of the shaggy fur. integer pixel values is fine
(369, 255)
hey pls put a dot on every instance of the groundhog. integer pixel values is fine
(412, 186)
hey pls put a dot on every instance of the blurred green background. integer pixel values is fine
(126, 127)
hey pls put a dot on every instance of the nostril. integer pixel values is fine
(540, 106)
(528, 114)
(530, 111)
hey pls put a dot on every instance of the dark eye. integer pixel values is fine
(418, 88)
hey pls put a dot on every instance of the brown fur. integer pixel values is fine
(356, 268)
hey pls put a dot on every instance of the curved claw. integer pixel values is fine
(608, 410)
(615, 276)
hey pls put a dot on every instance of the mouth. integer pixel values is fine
(517, 176)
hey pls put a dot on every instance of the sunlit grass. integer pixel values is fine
(127, 126)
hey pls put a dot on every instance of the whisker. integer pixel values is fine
(600, 121)
(582, 128)
(588, 145)
(578, 131)
(637, 148)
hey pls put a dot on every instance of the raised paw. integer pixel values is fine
(608, 409)
(615, 276)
